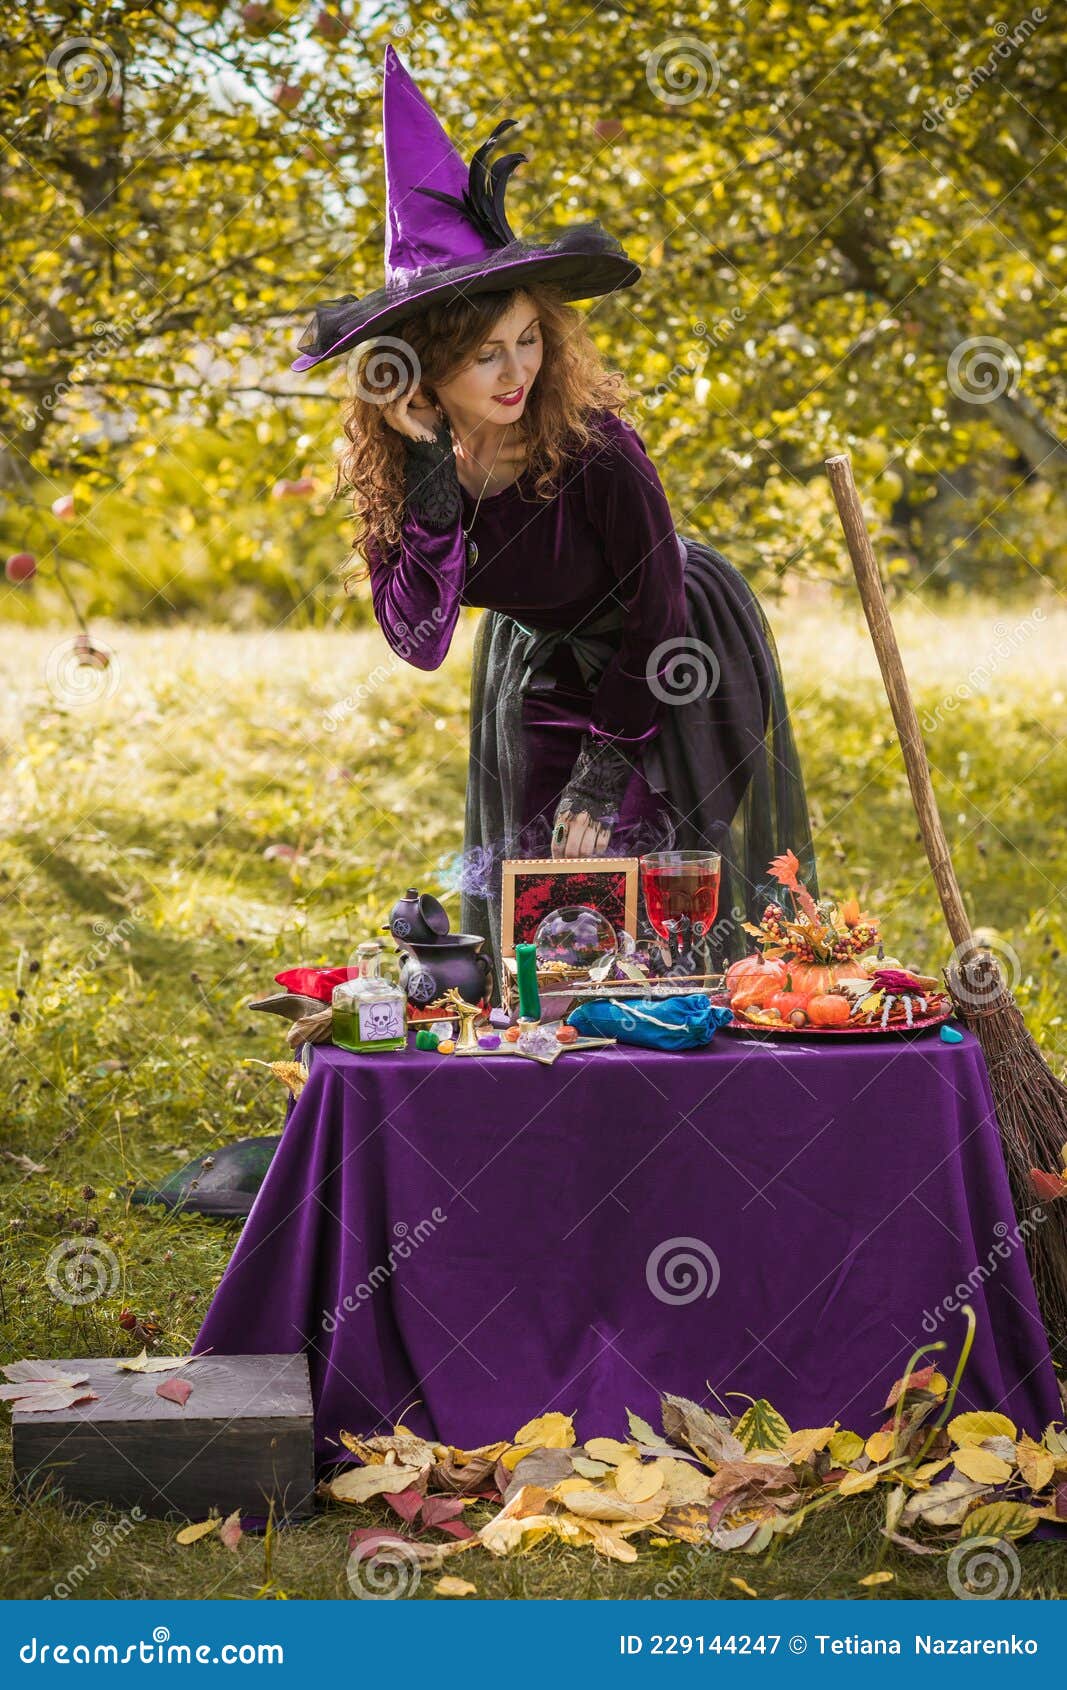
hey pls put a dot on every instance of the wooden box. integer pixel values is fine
(245, 1435)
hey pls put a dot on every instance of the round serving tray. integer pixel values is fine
(919, 1025)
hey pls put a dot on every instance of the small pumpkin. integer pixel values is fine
(786, 1002)
(812, 978)
(828, 1009)
(756, 984)
(755, 964)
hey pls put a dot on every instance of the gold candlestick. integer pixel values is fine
(467, 1014)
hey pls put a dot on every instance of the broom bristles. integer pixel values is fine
(1031, 1107)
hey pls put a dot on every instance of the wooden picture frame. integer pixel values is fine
(533, 886)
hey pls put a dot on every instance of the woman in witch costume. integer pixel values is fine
(625, 691)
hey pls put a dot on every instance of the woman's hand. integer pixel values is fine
(590, 803)
(413, 415)
(580, 836)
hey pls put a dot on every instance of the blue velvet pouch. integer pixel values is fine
(658, 1023)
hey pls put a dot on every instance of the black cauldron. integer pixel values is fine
(429, 969)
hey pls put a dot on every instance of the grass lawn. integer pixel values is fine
(143, 907)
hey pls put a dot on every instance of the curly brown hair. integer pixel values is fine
(572, 383)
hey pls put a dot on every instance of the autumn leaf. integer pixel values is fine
(925, 1379)
(608, 1450)
(982, 1465)
(846, 1447)
(452, 1586)
(39, 1388)
(359, 1484)
(999, 1519)
(744, 1586)
(708, 1435)
(1036, 1465)
(640, 1430)
(637, 1481)
(144, 1363)
(975, 1428)
(761, 1427)
(879, 1445)
(549, 1431)
(882, 1577)
(801, 1446)
(193, 1534)
(175, 1390)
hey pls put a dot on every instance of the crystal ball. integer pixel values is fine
(577, 935)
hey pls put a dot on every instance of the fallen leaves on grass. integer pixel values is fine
(202, 1528)
(719, 1483)
(449, 1585)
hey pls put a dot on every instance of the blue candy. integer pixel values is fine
(951, 1035)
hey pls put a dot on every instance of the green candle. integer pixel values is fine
(529, 1000)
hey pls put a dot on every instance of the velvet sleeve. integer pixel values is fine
(416, 586)
(629, 508)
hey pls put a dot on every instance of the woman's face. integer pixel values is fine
(495, 385)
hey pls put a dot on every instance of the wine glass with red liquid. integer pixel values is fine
(681, 891)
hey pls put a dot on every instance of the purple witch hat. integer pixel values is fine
(447, 234)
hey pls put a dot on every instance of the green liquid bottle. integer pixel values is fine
(370, 1010)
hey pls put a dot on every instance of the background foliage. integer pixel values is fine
(829, 203)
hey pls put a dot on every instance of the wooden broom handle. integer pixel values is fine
(876, 610)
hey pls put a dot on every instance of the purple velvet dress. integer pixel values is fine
(600, 619)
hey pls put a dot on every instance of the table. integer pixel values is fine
(465, 1243)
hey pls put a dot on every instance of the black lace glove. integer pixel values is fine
(431, 480)
(597, 782)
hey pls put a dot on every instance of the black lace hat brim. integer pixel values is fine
(585, 262)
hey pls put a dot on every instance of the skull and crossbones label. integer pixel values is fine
(381, 1020)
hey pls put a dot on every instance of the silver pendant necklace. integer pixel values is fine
(472, 545)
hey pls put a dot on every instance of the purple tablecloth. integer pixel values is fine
(465, 1243)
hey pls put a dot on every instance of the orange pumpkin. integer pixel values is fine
(829, 1009)
(756, 963)
(812, 978)
(753, 981)
(786, 1002)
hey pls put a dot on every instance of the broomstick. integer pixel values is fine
(1031, 1103)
